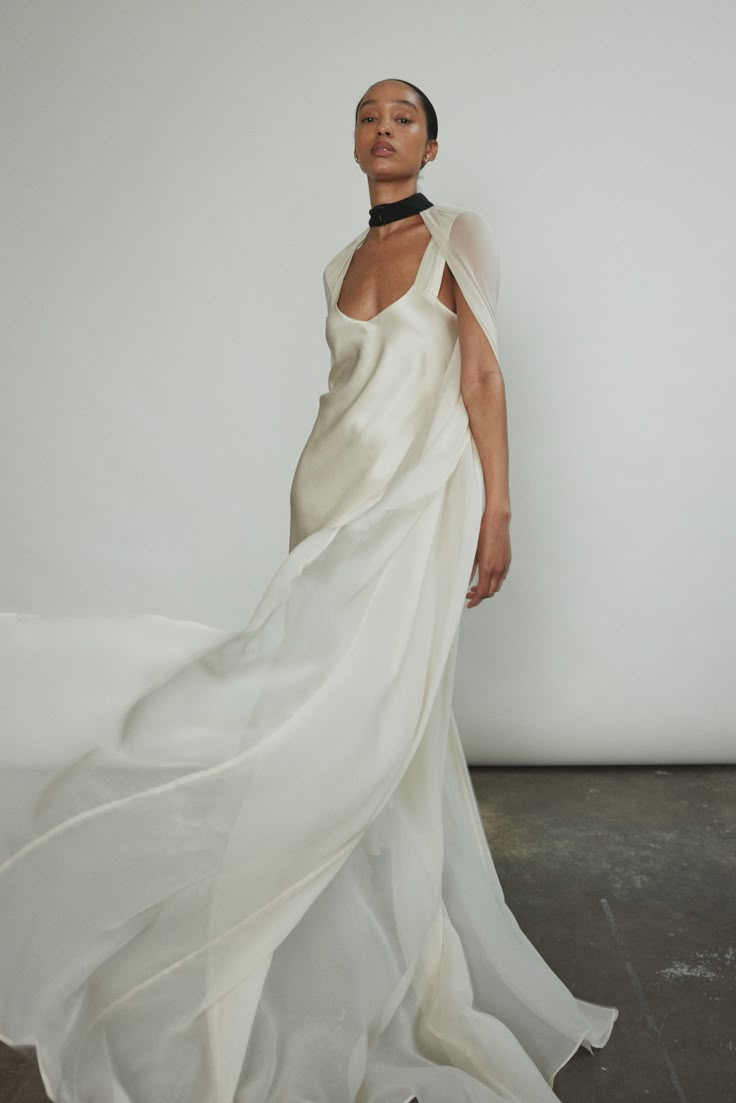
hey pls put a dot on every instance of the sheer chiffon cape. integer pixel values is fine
(249, 865)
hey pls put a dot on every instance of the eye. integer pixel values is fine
(405, 119)
(367, 118)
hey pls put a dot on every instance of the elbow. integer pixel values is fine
(476, 385)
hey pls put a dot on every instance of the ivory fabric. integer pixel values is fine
(249, 866)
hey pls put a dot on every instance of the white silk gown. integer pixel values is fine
(265, 878)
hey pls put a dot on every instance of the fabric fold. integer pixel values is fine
(247, 866)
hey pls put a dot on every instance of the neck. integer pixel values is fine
(388, 191)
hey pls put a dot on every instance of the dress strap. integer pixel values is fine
(431, 269)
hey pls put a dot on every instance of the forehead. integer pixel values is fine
(390, 92)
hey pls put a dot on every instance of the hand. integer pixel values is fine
(492, 558)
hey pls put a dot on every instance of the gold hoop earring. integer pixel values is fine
(356, 157)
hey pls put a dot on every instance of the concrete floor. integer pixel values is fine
(624, 880)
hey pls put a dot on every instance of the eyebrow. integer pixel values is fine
(407, 102)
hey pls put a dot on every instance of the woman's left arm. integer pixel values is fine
(484, 394)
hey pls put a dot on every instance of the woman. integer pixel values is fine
(270, 884)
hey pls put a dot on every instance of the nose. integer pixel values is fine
(383, 127)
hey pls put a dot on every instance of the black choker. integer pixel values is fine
(400, 208)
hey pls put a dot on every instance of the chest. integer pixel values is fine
(381, 273)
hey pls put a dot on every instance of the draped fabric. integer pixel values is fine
(249, 866)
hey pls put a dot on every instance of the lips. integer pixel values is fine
(380, 149)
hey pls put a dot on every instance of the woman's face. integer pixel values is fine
(391, 132)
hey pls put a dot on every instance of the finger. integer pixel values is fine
(477, 596)
(496, 580)
(484, 581)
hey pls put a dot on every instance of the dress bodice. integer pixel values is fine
(382, 392)
(417, 318)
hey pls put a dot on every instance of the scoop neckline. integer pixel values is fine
(368, 321)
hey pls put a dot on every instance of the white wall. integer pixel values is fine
(176, 176)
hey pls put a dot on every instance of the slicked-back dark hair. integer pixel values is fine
(429, 111)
